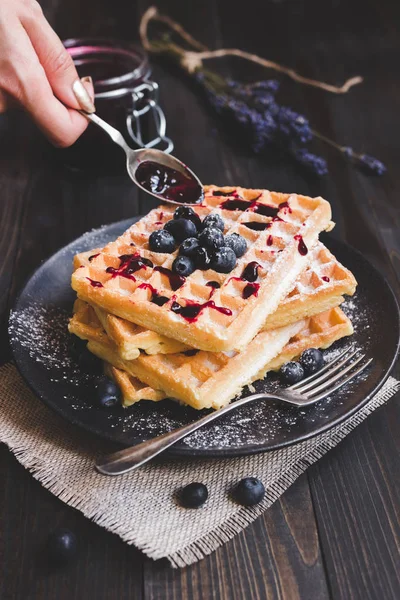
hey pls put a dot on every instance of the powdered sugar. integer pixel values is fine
(39, 330)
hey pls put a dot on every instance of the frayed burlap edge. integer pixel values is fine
(314, 449)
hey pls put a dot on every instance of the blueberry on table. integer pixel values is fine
(211, 238)
(249, 491)
(181, 229)
(312, 360)
(108, 394)
(224, 260)
(188, 246)
(185, 212)
(292, 372)
(213, 220)
(193, 495)
(202, 258)
(162, 241)
(237, 243)
(62, 546)
(183, 265)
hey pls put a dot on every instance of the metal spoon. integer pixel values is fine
(134, 158)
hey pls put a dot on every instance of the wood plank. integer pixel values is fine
(14, 182)
(266, 560)
(277, 557)
(354, 489)
(105, 567)
(59, 205)
(355, 492)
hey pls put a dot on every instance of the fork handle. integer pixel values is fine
(132, 458)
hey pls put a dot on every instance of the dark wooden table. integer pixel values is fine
(335, 533)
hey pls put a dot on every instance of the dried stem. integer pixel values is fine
(191, 60)
(196, 58)
(152, 14)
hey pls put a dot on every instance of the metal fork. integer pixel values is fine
(327, 380)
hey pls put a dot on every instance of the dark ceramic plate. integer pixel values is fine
(42, 351)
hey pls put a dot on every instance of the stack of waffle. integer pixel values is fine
(202, 338)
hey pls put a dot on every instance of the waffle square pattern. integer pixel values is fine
(205, 379)
(280, 231)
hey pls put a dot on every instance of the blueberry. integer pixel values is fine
(211, 238)
(224, 260)
(237, 243)
(249, 491)
(202, 258)
(183, 265)
(193, 495)
(188, 246)
(161, 241)
(181, 229)
(185, 212)
(214, 220)
(312, 360)
(62, 546)
(292, 372)
(108, 394)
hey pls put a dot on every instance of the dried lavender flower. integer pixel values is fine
(371, 165)
(264, 123)
(315, 163)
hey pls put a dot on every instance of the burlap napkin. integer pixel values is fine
(140, 506)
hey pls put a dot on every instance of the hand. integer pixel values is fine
(38, 74)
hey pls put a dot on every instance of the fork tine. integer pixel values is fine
(318, 373)
(336, 377)
(343, 382)
(328, 373)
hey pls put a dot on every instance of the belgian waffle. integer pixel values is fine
(319, 332)
(206, 379)
(132, 389)
(319, 287)
(197, 378)
(228, 321)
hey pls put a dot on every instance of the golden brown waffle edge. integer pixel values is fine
(280, 262)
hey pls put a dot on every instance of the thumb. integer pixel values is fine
(84, 93)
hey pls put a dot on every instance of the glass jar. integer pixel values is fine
(125, 97)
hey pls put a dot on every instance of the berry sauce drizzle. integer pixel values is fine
(284, 205)
(252, 205)
(93, 256)
(256, 226)
(251, 289)
(191, 311)
(232, 194)
(130, 263)
(270, 240)
(175, 281)
(325, 278)
(302, 248)
(169, 183)
(94, 283)
(250, 272)
(156, 298)
(213, 284)
(234, 204)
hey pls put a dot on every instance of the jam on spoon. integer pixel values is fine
(168, 183)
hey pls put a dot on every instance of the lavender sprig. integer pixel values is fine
(254, 110)
(368, 163)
